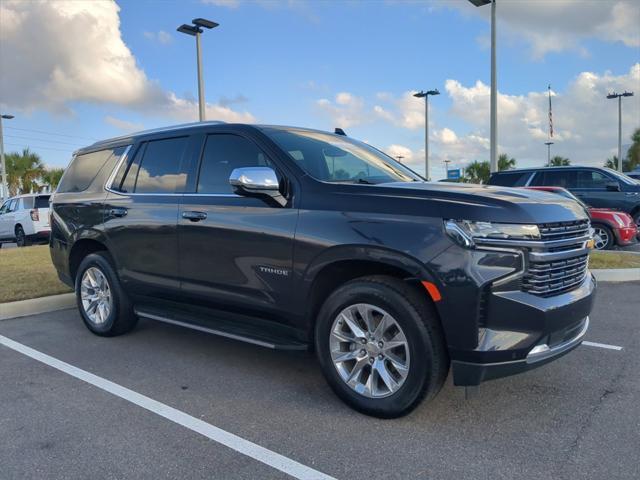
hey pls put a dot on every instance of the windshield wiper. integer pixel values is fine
(365, 181)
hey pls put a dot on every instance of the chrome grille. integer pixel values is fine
(562, 230)
(555, 277)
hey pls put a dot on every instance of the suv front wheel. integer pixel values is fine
(103, 304)
(380, 346)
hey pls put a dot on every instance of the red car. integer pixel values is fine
(610, 227)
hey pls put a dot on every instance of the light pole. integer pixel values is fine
(494, 85)
(195, 30)
(5, 185)
(400, 158)
(619, 97)
(548, 144)
(426, 94)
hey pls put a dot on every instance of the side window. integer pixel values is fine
(555, 178)
(83, 169)
(13, 205)
(5, 207)
(515, 179)
(159, 170)
(27, 203)
(125, 178)
(593, 179)
(222, 154)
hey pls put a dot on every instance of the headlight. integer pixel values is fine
(465, 231)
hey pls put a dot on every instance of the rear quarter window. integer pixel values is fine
(84, 169)
(42, 201)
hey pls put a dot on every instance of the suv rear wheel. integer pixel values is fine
(21, 238)
(380, 346)
(103, 304)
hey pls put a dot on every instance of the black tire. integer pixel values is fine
(21, 238)
(611, 240)
(417, 317)
(121, 318)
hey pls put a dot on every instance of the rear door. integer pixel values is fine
(591, 188)
(141, 216)
(239, 253)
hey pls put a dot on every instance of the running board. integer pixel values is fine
(230, 330)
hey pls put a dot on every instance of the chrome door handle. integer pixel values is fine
(194, 216)
(118, 212)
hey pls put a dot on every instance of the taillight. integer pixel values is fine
(35, 216)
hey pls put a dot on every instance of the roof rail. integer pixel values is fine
(161, 129)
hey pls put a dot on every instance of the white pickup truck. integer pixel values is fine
(24, 219)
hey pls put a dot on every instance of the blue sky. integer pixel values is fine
(326, 64)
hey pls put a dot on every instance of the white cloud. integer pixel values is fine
(397, 151)
(564, 25)
(124, 125)
(346, 110)
(161, 37)
(50, 68)
(223, 3)
(585, 127)
(406, 111)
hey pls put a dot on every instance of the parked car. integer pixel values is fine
(610, 227)
(24, 219)
(635, 174)
(299, 239)
(597, 187)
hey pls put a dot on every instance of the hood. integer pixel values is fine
(489, 203)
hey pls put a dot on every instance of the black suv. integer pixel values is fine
(299, 239)
(597, 187)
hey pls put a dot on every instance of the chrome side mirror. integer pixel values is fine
(257, 181)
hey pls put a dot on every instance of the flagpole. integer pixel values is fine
(548, 143)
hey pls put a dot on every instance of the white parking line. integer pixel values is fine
(234, 442)
(602, 345)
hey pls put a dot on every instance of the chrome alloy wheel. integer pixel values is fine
(369, 350)
(95, 294)
(600, 238)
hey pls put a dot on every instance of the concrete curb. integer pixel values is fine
(617, 274)
(35, 306)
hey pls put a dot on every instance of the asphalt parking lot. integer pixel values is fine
(578, 417)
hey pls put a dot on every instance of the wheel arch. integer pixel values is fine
(339, 265)
(85, 244)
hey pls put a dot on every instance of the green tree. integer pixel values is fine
(23, 171)
(613, 163)
(506, 163)
(52, 176)
(477, 172)
(559, 161)
(633, 155)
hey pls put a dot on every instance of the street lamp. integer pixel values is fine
(446, 168)
(619, 97)
(548, 144)
(5, 185)
(426, 94)
(195, 30)
(494, 84)
(400, 158)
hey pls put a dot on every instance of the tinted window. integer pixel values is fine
(515, 179)
(555, 178)
(125, 178)
(593, 179)
(42, 201)
(334, 158)
(222, 154)
(4, 208)
(159, 170)
(83, 170)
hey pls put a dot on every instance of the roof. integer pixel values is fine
(544, 169)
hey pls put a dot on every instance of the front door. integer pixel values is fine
(236, 252)
(7, 219)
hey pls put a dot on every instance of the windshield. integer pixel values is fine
(338, 159)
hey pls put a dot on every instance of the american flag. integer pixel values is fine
(550, 115)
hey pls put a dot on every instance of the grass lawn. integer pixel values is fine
(28, 273)
(614, 260)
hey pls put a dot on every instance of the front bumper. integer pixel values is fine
(525, 331)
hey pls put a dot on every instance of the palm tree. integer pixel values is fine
(559, 161)
(506, 163)
(633, 155)
(613, 163)
(477, 172)
(23, 171)
(52, 176)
